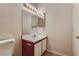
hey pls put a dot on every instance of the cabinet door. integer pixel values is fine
(44, 45)
(37, 49)
(27, 48)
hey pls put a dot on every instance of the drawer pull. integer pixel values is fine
(28, 44)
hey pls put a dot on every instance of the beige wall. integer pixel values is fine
(58, 27)
(10, 22)
(75, 29)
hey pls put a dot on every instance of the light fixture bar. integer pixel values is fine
(33, 10)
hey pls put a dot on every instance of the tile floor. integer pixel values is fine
(50, 54)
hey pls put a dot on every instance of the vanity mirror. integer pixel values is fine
(37, 21)
(31, 19)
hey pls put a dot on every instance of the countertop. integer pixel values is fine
(33, 39)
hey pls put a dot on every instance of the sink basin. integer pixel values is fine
(33, 37)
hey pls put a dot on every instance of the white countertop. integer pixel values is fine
(5, 36)
(33, 39)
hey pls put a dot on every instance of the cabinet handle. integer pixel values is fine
(28, 44)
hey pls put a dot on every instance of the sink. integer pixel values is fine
(33, 37)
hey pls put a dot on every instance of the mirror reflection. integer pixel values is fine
(37, 21)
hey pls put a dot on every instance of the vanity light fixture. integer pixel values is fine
(27, 4)
(33, 9)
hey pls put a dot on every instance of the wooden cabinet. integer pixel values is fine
(37, 49)
(44, 45)
(33, 49)
(27, 48)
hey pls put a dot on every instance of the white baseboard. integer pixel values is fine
(55, 52)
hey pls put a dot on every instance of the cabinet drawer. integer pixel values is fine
(25, 42)
(27, 48)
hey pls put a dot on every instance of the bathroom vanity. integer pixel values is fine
(34, 37)
(34, 46)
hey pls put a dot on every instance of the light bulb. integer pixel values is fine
(27, 4)
(42, 14)
(30, 7)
